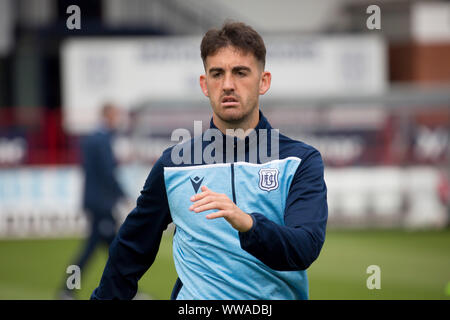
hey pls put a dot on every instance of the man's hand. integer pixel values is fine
(209, 200)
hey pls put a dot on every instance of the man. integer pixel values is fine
(244, 229)
(102, 190)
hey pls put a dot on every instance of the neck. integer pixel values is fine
(239, 129)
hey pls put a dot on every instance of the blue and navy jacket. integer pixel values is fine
(286, 198)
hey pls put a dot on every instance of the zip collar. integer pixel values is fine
(252, 145)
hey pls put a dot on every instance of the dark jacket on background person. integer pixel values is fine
(101, 188)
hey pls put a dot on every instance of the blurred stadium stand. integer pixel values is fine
(387, 150)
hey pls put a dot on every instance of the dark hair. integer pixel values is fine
(236, 34)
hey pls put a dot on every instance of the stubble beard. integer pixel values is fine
(234, 119)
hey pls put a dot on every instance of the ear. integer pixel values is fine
(265, 81)
(203, 85)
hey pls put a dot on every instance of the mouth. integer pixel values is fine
(229, 101)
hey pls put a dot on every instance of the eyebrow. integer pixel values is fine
(237, 68)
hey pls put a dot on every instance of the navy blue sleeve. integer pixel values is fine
(297, 244)
(135, 247)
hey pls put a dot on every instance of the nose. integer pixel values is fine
(228, 83)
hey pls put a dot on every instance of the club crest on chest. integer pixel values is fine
(268, 179)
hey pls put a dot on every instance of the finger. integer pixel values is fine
(209, 206)
(217, 214)
(223, 202)
(203, 201)
(203, 194)
(199, 196)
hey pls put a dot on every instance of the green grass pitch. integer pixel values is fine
(414, 265)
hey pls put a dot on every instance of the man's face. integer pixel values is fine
(233, 82)
(112, 118)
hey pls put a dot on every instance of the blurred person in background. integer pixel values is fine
(102, 191)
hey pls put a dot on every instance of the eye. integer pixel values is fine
(216, 74)
(241, 73)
